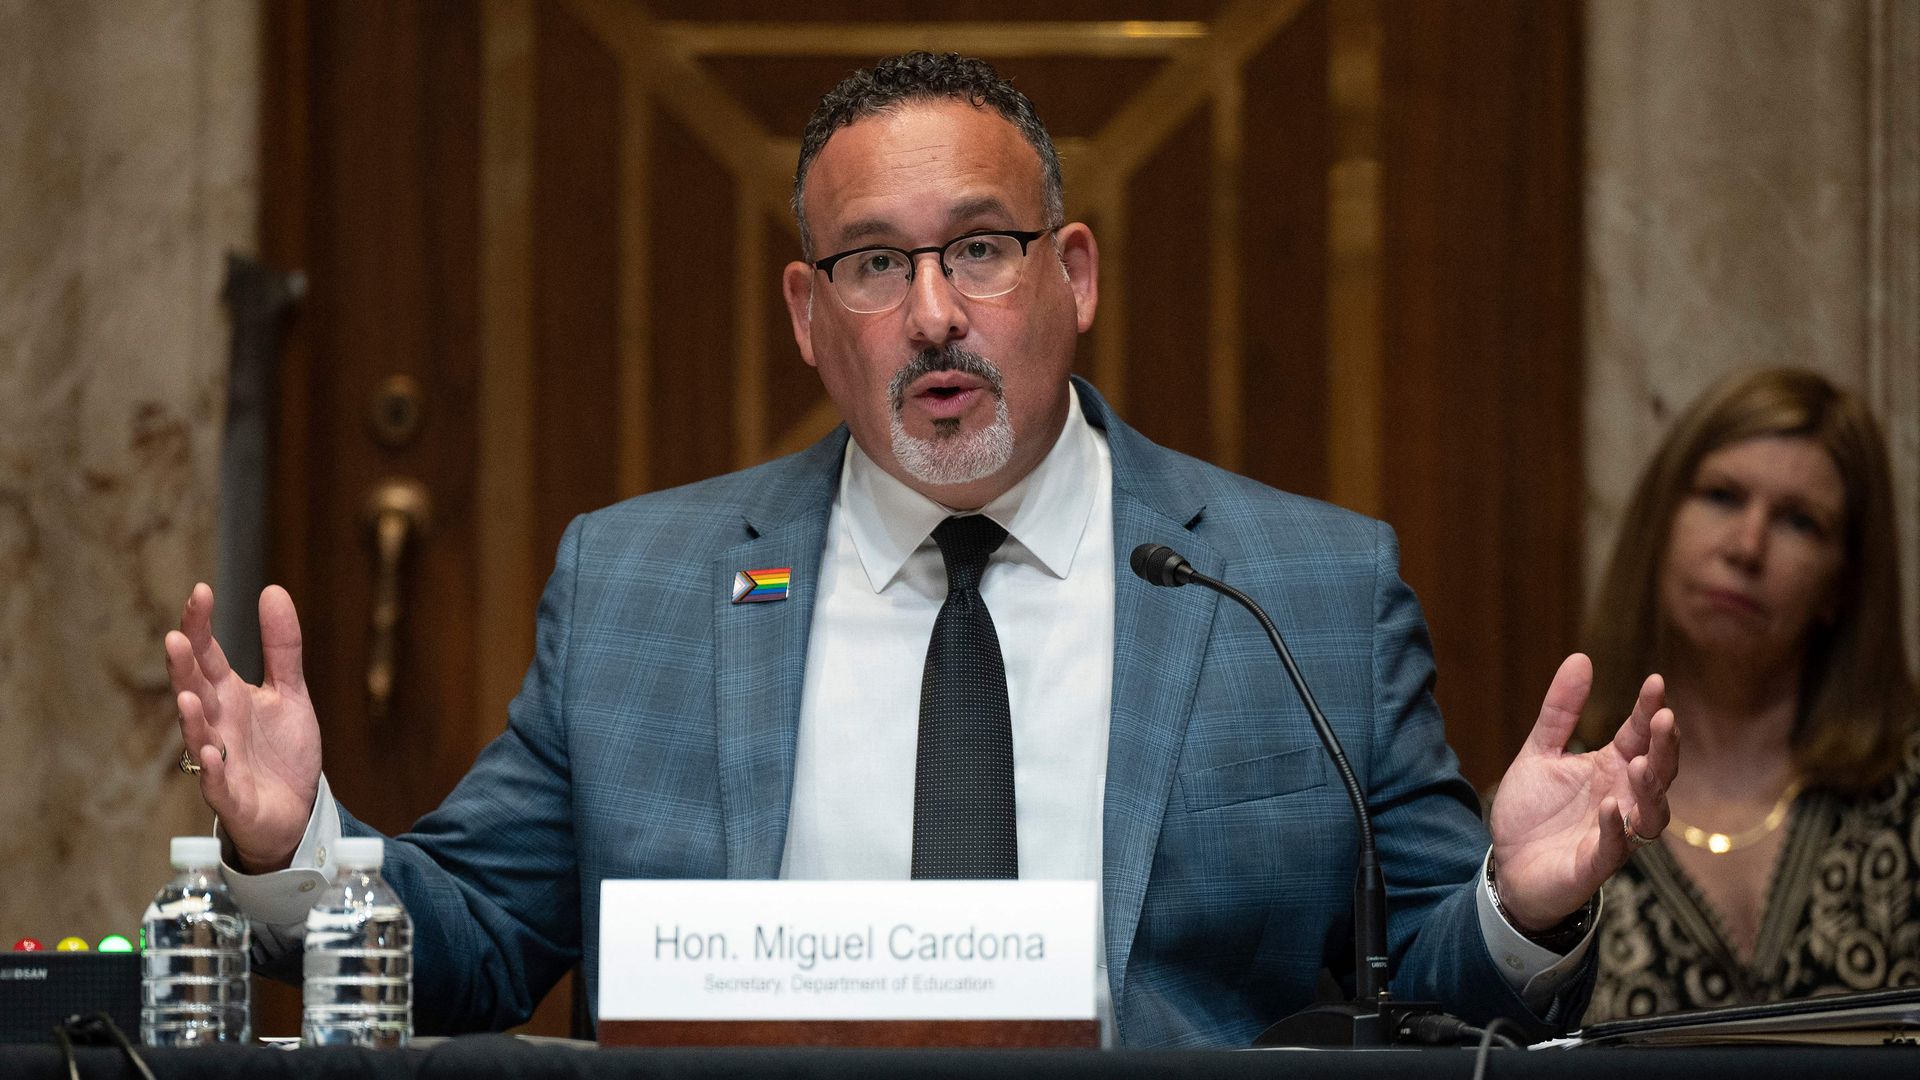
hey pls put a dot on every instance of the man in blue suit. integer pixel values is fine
(667, 729)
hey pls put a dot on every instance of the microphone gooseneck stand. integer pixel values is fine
(1372, 1018)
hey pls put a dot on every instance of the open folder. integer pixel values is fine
(1875, 1018)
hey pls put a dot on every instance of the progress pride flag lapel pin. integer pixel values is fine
(761, 586)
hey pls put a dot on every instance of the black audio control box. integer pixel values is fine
(38, 990)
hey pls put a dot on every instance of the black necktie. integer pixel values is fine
(963, 770)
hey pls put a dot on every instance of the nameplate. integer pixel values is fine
(847, 950)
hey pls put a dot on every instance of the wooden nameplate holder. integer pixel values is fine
(967, 1034)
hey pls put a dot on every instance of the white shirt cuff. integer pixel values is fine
(276, 902)
(1535, 973)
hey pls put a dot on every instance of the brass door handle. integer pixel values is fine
(397, 511)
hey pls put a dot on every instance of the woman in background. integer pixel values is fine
(1757, 569)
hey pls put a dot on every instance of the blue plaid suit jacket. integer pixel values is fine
(654, 738)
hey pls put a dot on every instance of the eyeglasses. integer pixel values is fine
(982, 265)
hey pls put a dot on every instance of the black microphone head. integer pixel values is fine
(1158, 564)
(1143, 556)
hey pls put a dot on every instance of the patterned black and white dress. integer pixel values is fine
(1842, 913)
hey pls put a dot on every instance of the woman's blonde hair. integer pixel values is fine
(1856, 695)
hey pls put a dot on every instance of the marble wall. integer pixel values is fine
(1751, 186)
(127, 170)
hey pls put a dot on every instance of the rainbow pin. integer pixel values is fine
(761, 586)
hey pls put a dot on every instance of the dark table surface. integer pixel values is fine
(504, 1056)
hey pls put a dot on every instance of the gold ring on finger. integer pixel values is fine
(190, 766)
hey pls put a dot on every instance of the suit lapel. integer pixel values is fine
(760, 653)
(1160, 638)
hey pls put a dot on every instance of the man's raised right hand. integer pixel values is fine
(258, 746)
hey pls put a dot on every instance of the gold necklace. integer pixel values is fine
(1720, 843)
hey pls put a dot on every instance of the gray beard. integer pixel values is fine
(951, 456)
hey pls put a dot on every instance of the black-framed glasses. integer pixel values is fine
(982, 265)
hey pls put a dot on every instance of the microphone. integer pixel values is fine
(1370, 1019)
(1161, 565)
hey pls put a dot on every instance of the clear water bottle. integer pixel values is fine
(359, 956)
(194, 985)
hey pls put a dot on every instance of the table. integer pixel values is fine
(502, 1056)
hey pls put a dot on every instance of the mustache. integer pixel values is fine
(947, 358)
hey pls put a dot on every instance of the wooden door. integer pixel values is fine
(1340, 244)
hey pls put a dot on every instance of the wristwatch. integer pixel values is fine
(1562, 936)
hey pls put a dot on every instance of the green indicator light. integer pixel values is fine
(114, 943)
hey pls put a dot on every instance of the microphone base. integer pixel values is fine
(1348, 1024)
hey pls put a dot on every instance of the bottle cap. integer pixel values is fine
(195, 852)
(360, 852)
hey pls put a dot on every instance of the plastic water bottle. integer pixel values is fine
(194, 985)
(359, 956)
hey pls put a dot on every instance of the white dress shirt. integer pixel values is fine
(882, 582)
